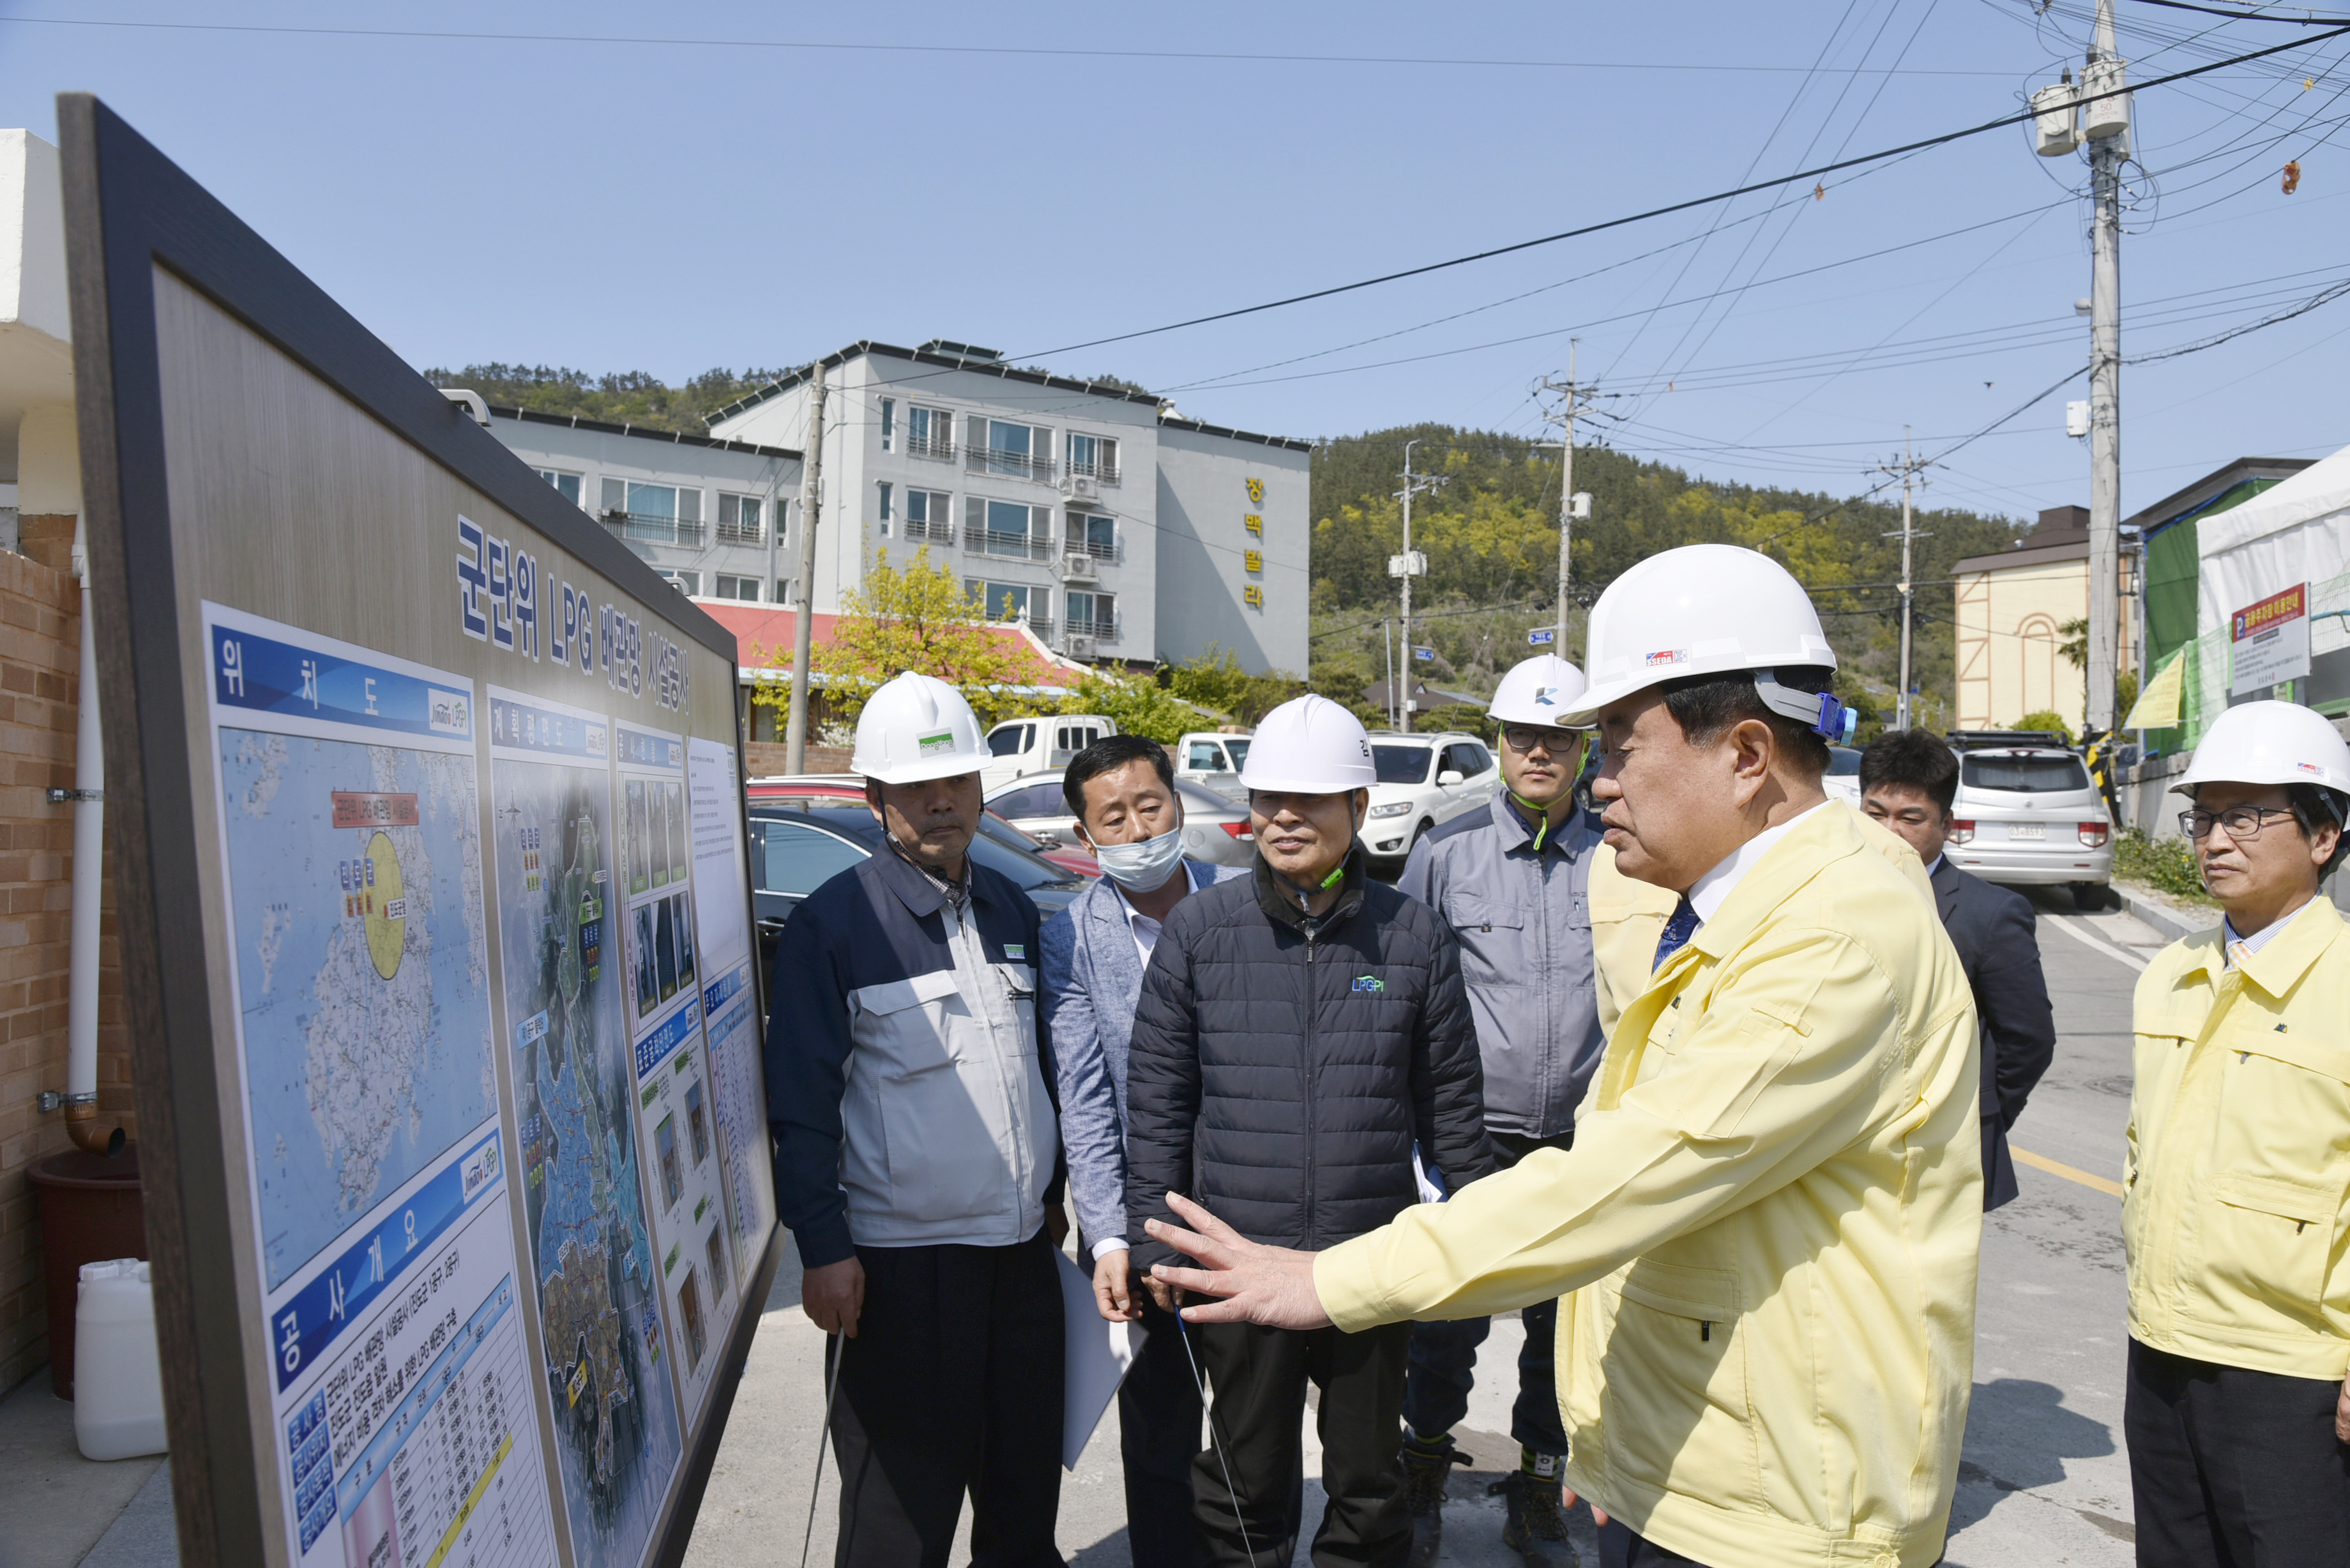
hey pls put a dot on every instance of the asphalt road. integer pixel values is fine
(2043, 1481)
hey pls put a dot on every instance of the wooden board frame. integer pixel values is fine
(129, 211)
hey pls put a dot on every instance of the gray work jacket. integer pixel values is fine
(1524, 920)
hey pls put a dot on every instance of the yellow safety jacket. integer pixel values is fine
(1769, 1223)
(2235, 1196)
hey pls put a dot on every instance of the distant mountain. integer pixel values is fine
(632, 397)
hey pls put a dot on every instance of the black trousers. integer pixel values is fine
(952, 1385)
(1258, 1377)
(1444, 1354)
(2232, 1468)
(1620, 1548)
(1157, 1439)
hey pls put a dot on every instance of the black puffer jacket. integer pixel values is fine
(1282, 1067)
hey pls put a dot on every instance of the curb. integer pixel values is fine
(2171, 922)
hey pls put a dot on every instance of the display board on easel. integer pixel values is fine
(434, 926)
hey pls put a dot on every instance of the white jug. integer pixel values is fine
(118, 1375)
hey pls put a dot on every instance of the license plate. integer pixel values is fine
(2026, 830)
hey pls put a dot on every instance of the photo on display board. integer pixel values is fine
(648, 990)
(663, 911)
(716, 1249)
(679, 839)
(697, 1122)
(672, 1173)
(639, 877)
(656, 832)
(689, 1308)
(684, 940)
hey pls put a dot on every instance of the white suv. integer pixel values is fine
(2028, 815)
(1423, 780)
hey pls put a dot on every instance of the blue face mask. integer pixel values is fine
(1145, 866)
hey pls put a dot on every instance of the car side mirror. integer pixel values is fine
(1448, 776)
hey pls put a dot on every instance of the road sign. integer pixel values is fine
(1542, 636)
(1423, 653)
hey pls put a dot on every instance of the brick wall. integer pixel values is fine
(40, 653)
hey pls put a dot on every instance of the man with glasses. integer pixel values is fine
(1513, 882)
(2237, 1189)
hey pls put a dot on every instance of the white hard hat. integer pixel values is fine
(1309, 745)
(2270, 743)
(1708, 610)
(918, 727)
(1538, 690)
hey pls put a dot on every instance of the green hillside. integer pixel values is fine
(632, 397)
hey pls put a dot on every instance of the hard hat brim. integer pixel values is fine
(920, 772)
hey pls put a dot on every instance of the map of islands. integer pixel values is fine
(616, 1417)
(355, 877)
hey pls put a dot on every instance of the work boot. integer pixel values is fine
(1535, 1528)
(1426, 1468)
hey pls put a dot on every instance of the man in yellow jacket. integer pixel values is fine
(1769, 1219)
(2235, 1205)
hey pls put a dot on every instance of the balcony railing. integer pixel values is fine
(741, 532)
(926, 532)
(1101, 472)
(648, 528)
(1007, 465)
(1101, 630)
(1101, 550)
(996, 542)
(938, 447)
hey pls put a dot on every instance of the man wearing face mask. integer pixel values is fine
(1298, 1031)
(1121, 790)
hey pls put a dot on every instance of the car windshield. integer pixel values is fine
(1237, 748)
(1401, 765)
(1844, 763)
(2042, 775)
(798, 859)
(1028, 871)
(1010, 740)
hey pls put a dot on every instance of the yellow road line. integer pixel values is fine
(2040, 1162)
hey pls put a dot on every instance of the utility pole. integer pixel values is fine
(803, 611)
(1908, 468)
(1571, 503)
(1410, 565)
(2108, 132)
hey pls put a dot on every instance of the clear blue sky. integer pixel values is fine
(718, 200)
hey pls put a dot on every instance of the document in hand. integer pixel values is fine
(1098, 1352)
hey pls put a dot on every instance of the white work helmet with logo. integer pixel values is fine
(1539, 690)
(1309, 745)
(918, 727)
(1710, 609)
(2271, 743)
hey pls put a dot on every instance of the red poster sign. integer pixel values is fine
(368, 809)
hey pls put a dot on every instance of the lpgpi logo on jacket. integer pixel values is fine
(1370, 982)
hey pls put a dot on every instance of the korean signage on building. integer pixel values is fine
(2268, 642)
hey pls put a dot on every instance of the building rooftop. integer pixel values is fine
(642, 432)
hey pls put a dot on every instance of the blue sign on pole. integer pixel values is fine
(1542, 636)
(1423, 653)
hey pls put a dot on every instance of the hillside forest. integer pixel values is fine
(1490, 534)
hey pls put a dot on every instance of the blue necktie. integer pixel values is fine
(1677, 933)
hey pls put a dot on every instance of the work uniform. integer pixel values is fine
(1769, 1220)
(909, 1092)
(2236, 1213)
(1517, 901)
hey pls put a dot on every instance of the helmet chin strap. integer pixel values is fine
(1820, 710)
(1541, 812)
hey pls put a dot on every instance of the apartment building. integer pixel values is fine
(709, 515)
(1113, 527)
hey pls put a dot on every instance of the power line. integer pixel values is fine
(1817, 172)
(2309, 19)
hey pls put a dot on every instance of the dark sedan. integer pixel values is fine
(798, 846)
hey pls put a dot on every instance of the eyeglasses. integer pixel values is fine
(2242, 822)
(1525, 738)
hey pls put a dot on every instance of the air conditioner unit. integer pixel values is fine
(1080, 647)
(1081, 487)
(1077, 567)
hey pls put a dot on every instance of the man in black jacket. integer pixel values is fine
(1908, 780)
(1298, 1030)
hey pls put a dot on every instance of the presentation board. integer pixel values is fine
(434, 930)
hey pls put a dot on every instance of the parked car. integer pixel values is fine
(1842, 779)
(1423, 780)
(1215, 829)
(1213, 760)
(799, 845)
(1032, 745)
(847, 788)
(2027, 814)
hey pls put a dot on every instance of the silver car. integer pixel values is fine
(2028, 815)
(1215, 829)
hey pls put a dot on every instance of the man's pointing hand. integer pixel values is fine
(1271, 1286)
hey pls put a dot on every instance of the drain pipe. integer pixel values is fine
(88, 799)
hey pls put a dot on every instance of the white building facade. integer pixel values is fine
(1114, 530)
(708, 515)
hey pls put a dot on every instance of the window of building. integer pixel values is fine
(1014, 450)
(1007, 528)
(683, 582)
(742, 518)
(565, 485)
(929, 432)
(1093, 615)
(659, 514)
(784, 590)
(889, 422)
(1094, 457)
(998, 601)
(930, 514)
(1093, 534)
(883, 489)
(731, 588)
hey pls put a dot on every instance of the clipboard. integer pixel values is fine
(1095, 1354)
